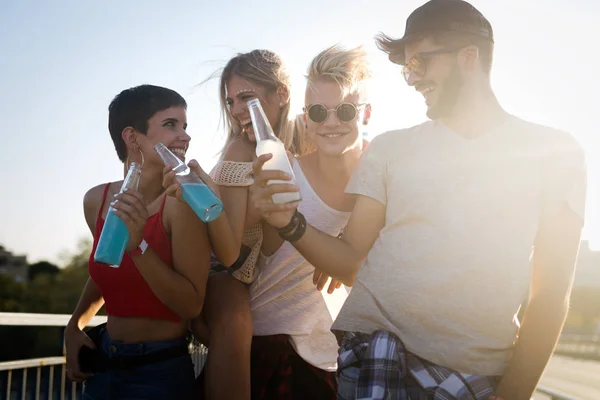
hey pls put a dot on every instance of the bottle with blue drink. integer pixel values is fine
(195, 192)
(115, 236)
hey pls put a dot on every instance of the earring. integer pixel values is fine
(281, 104)
(141, 155)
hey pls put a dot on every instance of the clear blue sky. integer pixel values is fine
(61, 65)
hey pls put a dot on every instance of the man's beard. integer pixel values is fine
(448, 95)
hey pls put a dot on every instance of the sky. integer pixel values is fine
(62, 63)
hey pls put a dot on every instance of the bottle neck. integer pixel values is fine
(171, 159)
(132, 179)
(260, 123)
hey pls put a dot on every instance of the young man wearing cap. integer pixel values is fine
(456, 221)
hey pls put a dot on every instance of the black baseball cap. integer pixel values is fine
(440, 15)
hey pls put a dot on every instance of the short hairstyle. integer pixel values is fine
(445, 38)
(349, 68)
(133, 107)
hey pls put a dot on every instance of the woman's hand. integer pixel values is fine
(75, 339)
(320, 279)
(173, 187)
(131, 208)
(276, 215)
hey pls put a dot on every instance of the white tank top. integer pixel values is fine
(284, 299)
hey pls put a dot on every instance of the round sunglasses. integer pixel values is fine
(345, 112)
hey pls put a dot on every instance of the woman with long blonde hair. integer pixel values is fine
(225, 325)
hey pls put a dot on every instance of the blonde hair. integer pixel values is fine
(266, 69)
(349, 68)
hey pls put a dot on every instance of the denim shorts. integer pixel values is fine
(169, 379)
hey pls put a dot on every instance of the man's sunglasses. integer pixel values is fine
(418, 63)
(345, 112)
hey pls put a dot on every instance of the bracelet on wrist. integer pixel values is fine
(298, 231)
(291, 226)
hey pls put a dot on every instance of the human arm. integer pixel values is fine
(338, 258)
(554, 261)
(181, 288)
(89, 303)
(556, 247)
(226, 232)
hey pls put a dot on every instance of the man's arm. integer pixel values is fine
(338, 258)
(341, 258)
(555, 255)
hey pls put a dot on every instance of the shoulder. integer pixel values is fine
(91, 203)
(177, 211)
(400, 136)
(93, 197)
(239, 150)
(306, 163)
(234, 168)
(548, 141)
(387, 145)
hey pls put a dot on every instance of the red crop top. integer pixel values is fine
(126, 293)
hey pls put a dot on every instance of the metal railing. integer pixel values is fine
(554, 394)
(47, 383)
(45, 378)
(580, 345)
(26, 319)
(38, 364)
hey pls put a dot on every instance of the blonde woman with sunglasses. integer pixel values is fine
(293, 351)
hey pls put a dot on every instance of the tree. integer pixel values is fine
(41, 268)
(81, 256)
(12, 294)
(51, 290)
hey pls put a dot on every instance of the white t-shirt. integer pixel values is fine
(451, 266)
(284, 299)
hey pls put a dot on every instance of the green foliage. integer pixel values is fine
(584, 313)
(50, 291)
(12, 294)
(81, 256)
(41, 268)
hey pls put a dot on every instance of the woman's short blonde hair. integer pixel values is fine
(348, 67)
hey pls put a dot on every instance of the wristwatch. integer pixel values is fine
(141, 249)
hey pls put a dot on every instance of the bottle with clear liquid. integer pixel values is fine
(267, 142)
(115, 235)
(195, 192)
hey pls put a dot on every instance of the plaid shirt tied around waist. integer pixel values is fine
(378, 366)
